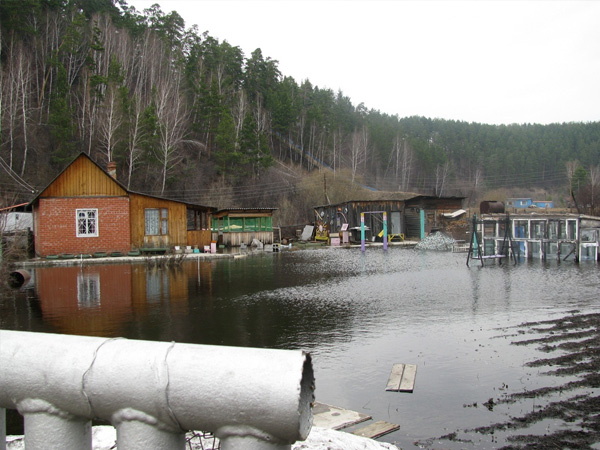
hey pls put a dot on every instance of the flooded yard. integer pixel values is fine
(494, 346)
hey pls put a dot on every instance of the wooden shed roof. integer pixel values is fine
(240, 211)
(383, 197)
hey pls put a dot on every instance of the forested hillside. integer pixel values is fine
(188, 116)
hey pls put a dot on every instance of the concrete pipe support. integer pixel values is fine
(153, 392)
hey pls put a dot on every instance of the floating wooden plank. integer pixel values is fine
(327, 416)
(376, 429)
(408, 378)
(395, 378)
(402, 378)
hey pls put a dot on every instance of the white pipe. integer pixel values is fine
(261, 394)
(47, 427)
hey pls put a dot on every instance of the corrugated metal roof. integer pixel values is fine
(378, 196)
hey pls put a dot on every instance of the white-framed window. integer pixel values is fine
(156, 221)
(87, 222)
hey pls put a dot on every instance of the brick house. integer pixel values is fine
(85, 210)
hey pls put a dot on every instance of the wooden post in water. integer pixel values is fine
(362, 229)
(362, 232)
(385, 234)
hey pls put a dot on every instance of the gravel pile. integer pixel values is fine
(436, 241)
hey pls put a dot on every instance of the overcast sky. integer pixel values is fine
(477, 61)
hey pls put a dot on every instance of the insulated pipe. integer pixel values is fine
(48, 427)
(19, 277)
(263, 395)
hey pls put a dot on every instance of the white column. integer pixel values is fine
(135, 435)
(48, 427)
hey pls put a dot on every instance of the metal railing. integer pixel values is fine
(153, 392)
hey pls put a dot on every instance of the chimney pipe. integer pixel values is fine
(111, 168)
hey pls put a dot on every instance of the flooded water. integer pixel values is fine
(357, 314)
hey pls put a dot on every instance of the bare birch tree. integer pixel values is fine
(172, 116)
(336, 149)
(10, 104)
(358, 150)
(136, 134)
(402, 157)
(109, 45)
(477, 180)
(111, 122)
(49, 32)
(239, 113)
(594, 177)
(571, 169)
(24, 94)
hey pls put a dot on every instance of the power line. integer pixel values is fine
(11, 173)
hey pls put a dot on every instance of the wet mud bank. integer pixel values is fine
(564, 414)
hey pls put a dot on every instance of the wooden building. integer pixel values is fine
(540, 235)
(15, 219)
(16, 229)
(331, 219)
(411, 217)
(236, 226)
(425, 213)
(85, 210)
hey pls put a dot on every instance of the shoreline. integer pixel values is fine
(176, 258)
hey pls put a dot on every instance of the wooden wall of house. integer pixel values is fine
(433, 220)
(434, 207)
(350, 213)
(199, 238)
(412, 223)
(236, 239)
(446, 204)
(83, 178)
(177, 222)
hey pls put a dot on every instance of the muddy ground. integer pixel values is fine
(572, 346)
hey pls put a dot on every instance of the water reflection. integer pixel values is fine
(294, 299)
(357, 313)
(82, 300)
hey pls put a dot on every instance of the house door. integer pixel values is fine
(396, 222)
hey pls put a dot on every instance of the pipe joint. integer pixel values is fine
(133, 415)
(39, 406)
(245, 431)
